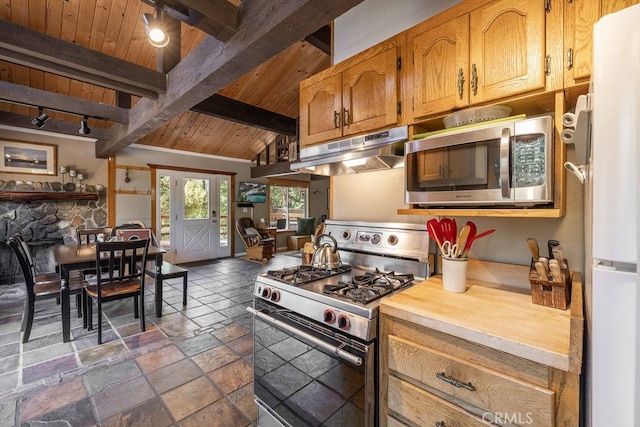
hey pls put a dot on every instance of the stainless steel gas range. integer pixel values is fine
(316, 328)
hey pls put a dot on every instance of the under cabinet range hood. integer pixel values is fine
(364, 153)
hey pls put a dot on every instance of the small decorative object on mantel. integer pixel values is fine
(549, 277)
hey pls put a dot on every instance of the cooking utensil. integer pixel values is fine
(449, 249)
(534, 248)
(556, 274)
(472, 235)
(545, 262)
(476, 237)
(449, 231)
(433, 227)
(550, 245)
(326, 256)
(462, 240)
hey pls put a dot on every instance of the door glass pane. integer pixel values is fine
(223, 195)
(296, 205)
(196, 198)
(165, 211)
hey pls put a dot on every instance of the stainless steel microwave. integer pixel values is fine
(508, 163)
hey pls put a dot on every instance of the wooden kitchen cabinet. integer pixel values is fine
(580, 15)
(353, 97)
(494, 51)
(486, 355)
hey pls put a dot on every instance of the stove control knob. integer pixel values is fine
(266, 292)
(275, 296)
(343, 322)
(329, 316)
(393, 240)
(375, 239)
(346, 235)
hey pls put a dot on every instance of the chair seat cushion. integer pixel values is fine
(124, 287)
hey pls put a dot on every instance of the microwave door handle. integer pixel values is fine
(505, 156)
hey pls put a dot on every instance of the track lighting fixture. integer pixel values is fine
(41, 119)
(84, 126)
(153, 27)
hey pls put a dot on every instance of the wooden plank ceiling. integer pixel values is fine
(115, 27)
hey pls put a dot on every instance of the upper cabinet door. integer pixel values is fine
(580, 15)
(370, 93)
(507, 49)
(440, 67)
(321, 110)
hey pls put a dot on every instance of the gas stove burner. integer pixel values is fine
(369, 286)
(302, 274)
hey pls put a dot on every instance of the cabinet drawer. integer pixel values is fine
(425, 409)
(482, 388)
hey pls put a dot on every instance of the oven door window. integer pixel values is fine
(304, 384)
(470, 166)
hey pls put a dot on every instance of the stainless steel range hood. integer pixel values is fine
(365, 153)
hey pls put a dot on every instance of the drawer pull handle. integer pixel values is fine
(454, 382)
(440, 424)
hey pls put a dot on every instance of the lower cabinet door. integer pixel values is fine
(486, 389)
(425, 409)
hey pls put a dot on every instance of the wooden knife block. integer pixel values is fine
(548, 293)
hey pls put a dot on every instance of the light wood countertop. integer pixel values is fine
(497, 317)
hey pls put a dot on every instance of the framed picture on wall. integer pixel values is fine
(28, 158)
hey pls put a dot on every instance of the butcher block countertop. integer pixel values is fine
(493, 313)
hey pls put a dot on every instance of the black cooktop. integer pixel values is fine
(302, 274)
(369, 286)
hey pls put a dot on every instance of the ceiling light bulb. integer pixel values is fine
(156, 35)
(355, 162)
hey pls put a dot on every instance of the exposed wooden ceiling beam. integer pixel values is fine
(65, 128)
(40, 98)
(266, 28)
(239, 112)
(23, 46)
(321, 39)
(216, 17)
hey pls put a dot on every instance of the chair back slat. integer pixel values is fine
(90, 235)
(120, 260)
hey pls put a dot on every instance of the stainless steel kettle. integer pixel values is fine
(326, 256)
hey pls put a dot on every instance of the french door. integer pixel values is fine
(193, 215)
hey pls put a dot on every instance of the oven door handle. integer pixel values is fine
(317, 341)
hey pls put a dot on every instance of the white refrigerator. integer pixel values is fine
(612, 223)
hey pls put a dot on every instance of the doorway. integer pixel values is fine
(192, 211)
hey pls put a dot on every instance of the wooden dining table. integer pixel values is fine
(79, 257)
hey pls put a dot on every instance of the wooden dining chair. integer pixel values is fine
(86, 236)
(121, 280)
(38, 287)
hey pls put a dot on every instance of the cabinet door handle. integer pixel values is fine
(460, 83)
(336, 119)
(454, 382)
(474, 79)
(569, 58)
(441, 171)
(345, 117)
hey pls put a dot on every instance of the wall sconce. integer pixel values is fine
(41, 119)
(84, 126)
(153, 27)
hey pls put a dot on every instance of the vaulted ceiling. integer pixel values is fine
(251, 76)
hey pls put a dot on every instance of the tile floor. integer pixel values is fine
(191, 367)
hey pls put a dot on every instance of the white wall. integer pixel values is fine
(373, 21)
(74, 152)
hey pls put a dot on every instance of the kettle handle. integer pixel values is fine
(335, 243)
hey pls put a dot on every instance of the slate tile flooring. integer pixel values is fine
(191, 367)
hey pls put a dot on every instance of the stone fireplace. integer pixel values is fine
(45, 223)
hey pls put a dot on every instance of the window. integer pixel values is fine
(288, 200)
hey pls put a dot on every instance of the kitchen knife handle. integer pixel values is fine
(541, 270)
(534, 248)
(556, 274)
(550, 245)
